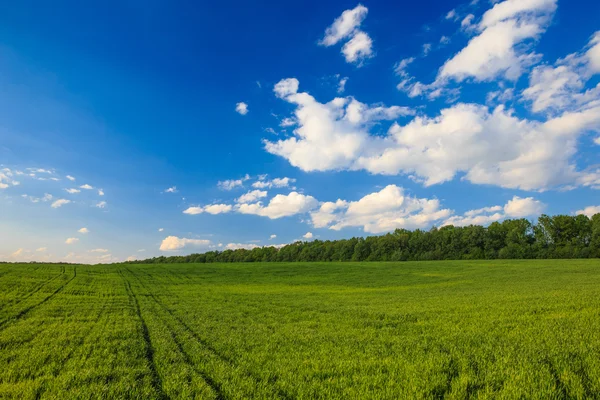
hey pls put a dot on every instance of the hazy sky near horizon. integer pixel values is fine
(133, 129)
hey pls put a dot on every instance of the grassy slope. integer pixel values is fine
(514, 329)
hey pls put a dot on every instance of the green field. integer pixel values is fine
(512, 329)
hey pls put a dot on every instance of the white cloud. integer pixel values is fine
(238, 246)
(71, 240)
(517, 207)
(213, 209)
(308, 235)
(232, 183)
(84, 230)
(59, 203)
(379, 212)
(593, 53)
(6, 178)
(329, 136)
(17, 253)
(589, 211)
(488, 146)
(500, 49)
(172, 189)
(86, 187)
(360, 45)
(359, 48)
(69, 177)
(72, 191)
(520, 208)
(280, 206)
(173, 243)
(597, 141)
(241, 108)
(251, 196)
(99, 251)
(287, 122)
(100, 192)
(101, 204)
(272, 237)
(161, 229)
(344, 26)
(467, 21)
(559, 88)
(41, 250)
(274, 183)
(342, 85)
(452, 15)
(427, 47)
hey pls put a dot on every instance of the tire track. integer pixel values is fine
(35, 290)
(154, 376)
(216, 387)
(27, 310)
(281, 393)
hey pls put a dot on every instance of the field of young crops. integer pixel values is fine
(515, 329)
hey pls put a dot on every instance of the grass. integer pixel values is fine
(456, 330)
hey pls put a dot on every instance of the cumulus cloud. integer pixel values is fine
(100, 192)
(495, 51)
(69, 177)
(345, 25)
(71, 240)
(213, 209)
(520, 208)
(280, 206)
(86, 187)
(73, 191)
(251, 196)
(359, 48)
(241, 108)
(173, 243)
(380, 212)
(41, 249)
(561, 87)
(274, 183)
(593, 53)
(488, 146)
(101, 204)
(329, 136)
(84, 230)
(172, 189)
(272, 237)
(359, 45)
(308, 235)
(232, 183)
(589, 211)
(59, 203)
(517, 207)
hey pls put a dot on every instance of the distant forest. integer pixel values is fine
(560, 236)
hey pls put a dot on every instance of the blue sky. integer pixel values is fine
(135, 129)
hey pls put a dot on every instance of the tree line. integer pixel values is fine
(559, 236)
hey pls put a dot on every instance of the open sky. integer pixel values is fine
(132, 129)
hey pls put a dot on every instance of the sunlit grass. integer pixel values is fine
(511, 329)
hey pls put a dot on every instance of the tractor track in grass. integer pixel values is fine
(149, 354)
(215, 387)
(34, 291)
(282, 394)
(73, 350)
(27, 310)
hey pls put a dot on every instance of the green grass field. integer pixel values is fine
(456, 330)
